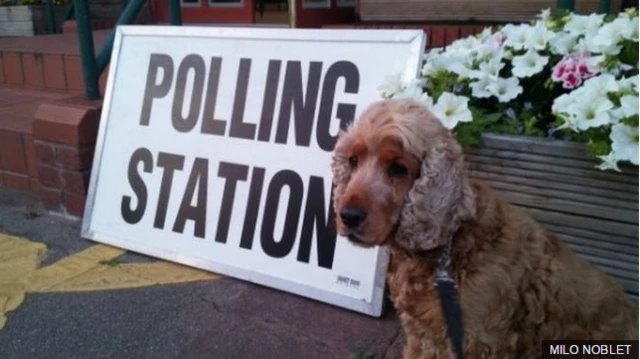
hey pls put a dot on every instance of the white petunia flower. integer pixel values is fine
(594, 63)
(435, 63)
(585, 46)
(607, 39)
(516, 35)
(600, 85)
(562, 103)
(609, 162)
(545, 15)
(491, 48)
(563, 43)
(581, 111)
(601, 45)
(623, 27)
(592, 112)
(570, 122)
(480, 88)
(485, 33)
(584, 24)
(490, 68)
(538, 37)
(529, 64)
(628, 106)
(628, 85)
(507, 54)
(505, 89)
(415, 91)
(459, 69)
(464, 50)
(452, 109)
(624, 142)
(392, 85)
(633, 34)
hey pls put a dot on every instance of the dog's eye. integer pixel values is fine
(353, 161)
(397, 170)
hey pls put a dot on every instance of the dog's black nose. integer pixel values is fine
(352, 216)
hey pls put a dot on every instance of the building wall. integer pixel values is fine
(307, 17)
(205, 13)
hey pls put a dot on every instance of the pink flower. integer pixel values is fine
(584, 70)
(571, 80)
(572, 70)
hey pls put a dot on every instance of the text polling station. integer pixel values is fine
(215, 145)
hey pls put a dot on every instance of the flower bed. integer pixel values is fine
(548, 114)
(566, 76)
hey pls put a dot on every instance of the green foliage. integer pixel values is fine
(629, 53)
(630, 121)
(598, 146)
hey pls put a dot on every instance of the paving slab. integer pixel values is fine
(223, 318)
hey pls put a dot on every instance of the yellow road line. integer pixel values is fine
(83, 271)
(71, 267)
(132, 275)
(20, 258)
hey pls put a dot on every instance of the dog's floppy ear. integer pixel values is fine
(339, 168)
(441, 197)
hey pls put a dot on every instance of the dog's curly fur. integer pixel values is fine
(518, 283)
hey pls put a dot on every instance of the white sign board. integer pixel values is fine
(215, 145)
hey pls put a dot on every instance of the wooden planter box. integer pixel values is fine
(28, 20)
(465, 10)
(593, 211)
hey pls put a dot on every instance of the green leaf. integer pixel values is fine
(468, 134)
(629, 53)
(531, 128)
(599, 147)
(631, 121)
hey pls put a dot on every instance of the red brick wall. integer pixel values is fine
(64, 135)
(18, 164)
(44, 71)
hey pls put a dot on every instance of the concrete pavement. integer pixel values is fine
(208, 318)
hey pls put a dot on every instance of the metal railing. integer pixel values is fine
(93, 66)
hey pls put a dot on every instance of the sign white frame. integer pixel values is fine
(414, 38)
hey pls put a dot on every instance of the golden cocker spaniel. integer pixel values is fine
(400, 182)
